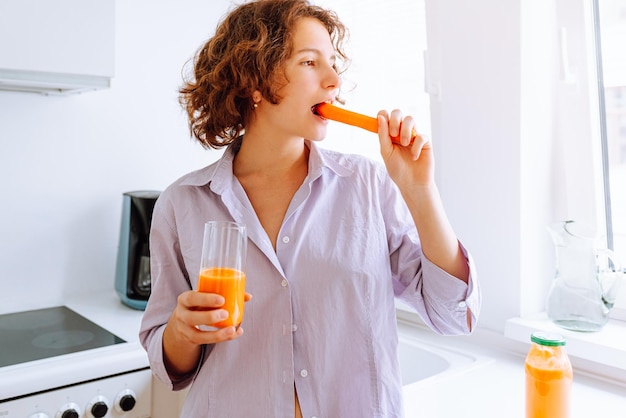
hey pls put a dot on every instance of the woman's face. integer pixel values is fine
(311, 78)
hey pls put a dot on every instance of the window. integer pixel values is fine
(591, 116)
(565, 101)
(610, 21)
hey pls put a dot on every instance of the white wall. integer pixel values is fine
(65, 161)
(492, 129)
(474, 55)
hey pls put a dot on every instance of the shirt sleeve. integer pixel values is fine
(440, 299)
(169, 279)
(443, 300)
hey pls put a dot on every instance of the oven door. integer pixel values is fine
(125, 395)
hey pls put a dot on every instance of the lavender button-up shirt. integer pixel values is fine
(322, 316)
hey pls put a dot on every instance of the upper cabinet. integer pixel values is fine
(56, 46)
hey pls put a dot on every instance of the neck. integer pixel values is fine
(270, 157)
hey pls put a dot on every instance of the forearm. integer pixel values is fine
(439, 241)
(180, 356)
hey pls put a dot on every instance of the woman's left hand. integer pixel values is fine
(408, 164)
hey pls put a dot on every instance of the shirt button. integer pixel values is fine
(284, 283)
(462, 305)
(294, 327)
(304, 373)
(286, 240)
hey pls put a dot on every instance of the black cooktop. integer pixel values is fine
(43, 333)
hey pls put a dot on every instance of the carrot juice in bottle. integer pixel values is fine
(548, 377)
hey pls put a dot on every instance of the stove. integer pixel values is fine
(44, 333)
(57, 363)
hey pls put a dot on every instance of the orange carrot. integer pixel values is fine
(338, 114)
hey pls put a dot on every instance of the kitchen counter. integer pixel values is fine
(494, 387)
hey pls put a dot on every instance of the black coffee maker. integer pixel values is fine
(132, 273)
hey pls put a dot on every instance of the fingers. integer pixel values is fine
(395, 123)
(199, 300)
(420, 143)
(197, 311)
(204, 336)
(401, 130)
(383, 133)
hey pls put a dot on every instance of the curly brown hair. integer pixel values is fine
(247, 53)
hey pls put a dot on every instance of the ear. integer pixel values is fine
(256, 96)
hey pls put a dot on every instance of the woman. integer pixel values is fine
(333, 238)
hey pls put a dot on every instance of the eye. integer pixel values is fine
(308, 63)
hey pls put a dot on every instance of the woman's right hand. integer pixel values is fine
(198, 308)
(183, 338)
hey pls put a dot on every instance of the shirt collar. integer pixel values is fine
(220, 174)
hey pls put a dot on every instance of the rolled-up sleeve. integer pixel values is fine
(448, 298)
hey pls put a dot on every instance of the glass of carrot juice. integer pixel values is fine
(223, 268)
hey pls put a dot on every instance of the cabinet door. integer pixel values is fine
(58, 36)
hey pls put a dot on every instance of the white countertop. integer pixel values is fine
(496, 388)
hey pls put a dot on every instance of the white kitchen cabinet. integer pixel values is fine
(56, 46)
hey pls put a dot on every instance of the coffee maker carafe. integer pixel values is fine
(132, 273)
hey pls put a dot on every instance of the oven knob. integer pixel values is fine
(98, 407)
(69, 410)
(125, 401)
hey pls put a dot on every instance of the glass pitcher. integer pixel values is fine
(586, 282)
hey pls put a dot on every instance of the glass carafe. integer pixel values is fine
(586, 282)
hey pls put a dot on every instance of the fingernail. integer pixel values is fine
(223, 314)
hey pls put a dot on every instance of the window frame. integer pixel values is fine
(619, 309)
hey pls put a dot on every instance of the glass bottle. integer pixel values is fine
(549, 377)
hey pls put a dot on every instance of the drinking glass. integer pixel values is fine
(223, 267)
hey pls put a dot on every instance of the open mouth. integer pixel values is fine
(315, 108)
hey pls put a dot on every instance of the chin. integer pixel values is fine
(317, 136)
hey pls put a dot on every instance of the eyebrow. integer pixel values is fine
(315, 51)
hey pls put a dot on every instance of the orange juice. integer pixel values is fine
(548, 377)
(231, 284)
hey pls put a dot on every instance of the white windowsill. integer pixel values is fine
(601, 353)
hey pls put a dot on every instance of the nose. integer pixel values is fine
(331, 79)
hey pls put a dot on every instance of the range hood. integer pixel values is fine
(50, 83)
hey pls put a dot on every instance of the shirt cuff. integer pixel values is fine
(452, 294)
